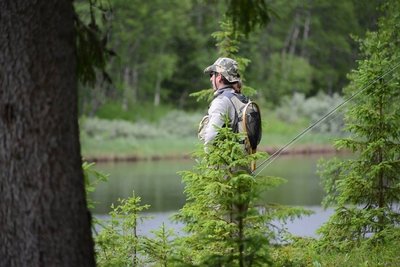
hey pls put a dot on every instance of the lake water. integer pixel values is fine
(159, 185)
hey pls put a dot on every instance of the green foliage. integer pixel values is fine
(228, 41)
(159, 249)
(118, 243)
(175, 123)
(226, 223)
(299, 107)
(175, 133)
(205, 94)
(91, 38)
(148, 37)
(92, 178)
(241, 18)
(246, 15)
(307, 252)
(228, 44)
(365, 189)
(163, 46)
(143, 112)
(311, 40)
(179, 124)
(296, 254)
(112, 129)
(288, 74)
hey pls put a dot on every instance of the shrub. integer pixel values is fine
(137, 112)
(226, 222)
(180, 124)
(175, 123)
(313, 108)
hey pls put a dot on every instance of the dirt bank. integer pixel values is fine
(295, 150)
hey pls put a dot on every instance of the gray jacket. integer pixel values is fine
(219, 108)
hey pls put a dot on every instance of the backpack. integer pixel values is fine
(247, 120)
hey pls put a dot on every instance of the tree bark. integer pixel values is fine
(44, 220)
(127, 86)
(306, 31)
(157, 90)
(135, 85)
(295, 35)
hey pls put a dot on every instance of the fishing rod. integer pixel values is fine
(277, 153)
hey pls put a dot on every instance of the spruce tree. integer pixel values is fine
(227, 223)
(228, 42)
(365, 188)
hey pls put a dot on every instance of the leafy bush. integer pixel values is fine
(180, 124)
(288, 74)
(110, 129)
(139, 112)
(313, 108)
(175, 123)
(307, 252)
(118, 243)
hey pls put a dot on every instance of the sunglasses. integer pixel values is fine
(212, 73)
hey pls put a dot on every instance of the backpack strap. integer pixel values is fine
(229, 94)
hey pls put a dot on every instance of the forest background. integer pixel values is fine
(298, 65)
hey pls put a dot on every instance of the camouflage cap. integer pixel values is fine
(227, 67)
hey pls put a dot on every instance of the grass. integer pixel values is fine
(278, 133)
(144, 111)
(307, 254)
(173, 146)
(147, 148)
(124, 139)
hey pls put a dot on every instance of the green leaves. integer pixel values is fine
(92, 178)
(158, 249)
(365, 188)
(225, 219)
(91, 40)
(118, 243)
(246, 15)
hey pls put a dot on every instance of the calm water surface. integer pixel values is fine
(159, 185)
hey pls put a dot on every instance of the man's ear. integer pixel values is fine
(219, 77)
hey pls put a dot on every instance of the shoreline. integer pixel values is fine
(295, 150)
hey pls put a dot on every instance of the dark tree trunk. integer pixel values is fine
(44, 220)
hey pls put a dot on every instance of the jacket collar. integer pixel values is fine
(223, 89)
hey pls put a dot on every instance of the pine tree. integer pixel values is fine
(228, 42)
(226, 222)
(118, 243)
(365, 189)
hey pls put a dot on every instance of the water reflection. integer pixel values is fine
(303, 186)
(159, 185)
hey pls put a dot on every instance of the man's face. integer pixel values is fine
(213, 79)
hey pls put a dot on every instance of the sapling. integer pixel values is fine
(118, 243)
(226, 221)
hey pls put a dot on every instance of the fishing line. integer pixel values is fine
(277, 153)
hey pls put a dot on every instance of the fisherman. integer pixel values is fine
(225, 80)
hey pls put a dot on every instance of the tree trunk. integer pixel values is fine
(157, 90)
(44, 220)
(306, 32)
(127, 85)
(135, 85)
(295, 35)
